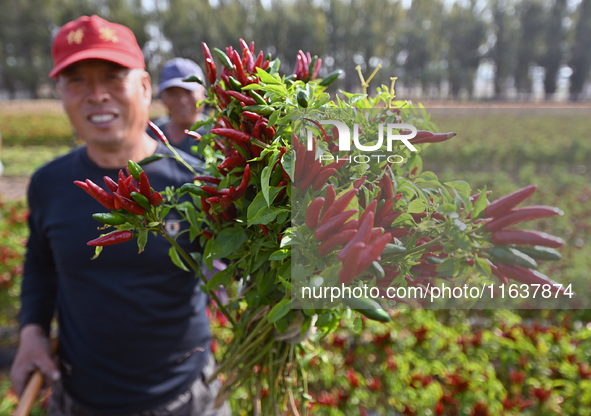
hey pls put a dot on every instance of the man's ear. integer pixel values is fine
(147, 86)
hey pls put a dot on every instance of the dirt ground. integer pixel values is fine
(13, 187)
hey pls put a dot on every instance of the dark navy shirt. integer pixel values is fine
(133, 333)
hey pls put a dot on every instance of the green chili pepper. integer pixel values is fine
(302, 98)
(152, 158)
(234, 83)
(221, 55)
(193, 189)
(257, 97)
(367, 307)
(264, 110)
(330, 78)
(134, 169)
(109, 218)
(141, 200)
(393, 249)
(541, 253)
(510, 255)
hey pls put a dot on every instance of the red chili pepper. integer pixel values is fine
(129, 205)
(525, 275)
(322, 177)
(521, 215)
(336, 240)
(363, 235)
(243, 98)
(349, 270)
(145, 188)
(211, 190)
(210, 68)
(333, 224)
(110, 183)
(329, 198)
(495, 270)
(221, 95)
(311, 173)
(156, 198)
(526, 238)
(232, 134)
(357, 184)
(339, 205)
(503, 205)
(259, 60)
(264, 229)
(207, 209)
(156, 130)
(115, 237)
(102, 196)
(313, 212)
(372, 253)
(122, 188)
(210, 179)
(241, 188)
(238, 67)
(252, 117)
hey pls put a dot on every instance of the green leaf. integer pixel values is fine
(416, 206)
(482, 266)
(267, 78)
(227, 242)
(279, 254)
(176, 259)
(279, 310)
(142, 240)
(287, 161)
(221, 278)
(265, 179)
(259, 211)
(480, 204)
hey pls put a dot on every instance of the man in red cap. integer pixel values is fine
(133, 335)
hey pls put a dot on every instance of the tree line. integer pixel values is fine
(433, 46)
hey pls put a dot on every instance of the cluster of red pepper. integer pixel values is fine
(516, 251)
(131, 193)
(223, 198)
(362, 243)
(243, 130)
(308, 170)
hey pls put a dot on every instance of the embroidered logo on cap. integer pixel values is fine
(75, 36)
(108, 35)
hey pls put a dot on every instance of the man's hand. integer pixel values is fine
(34, 353)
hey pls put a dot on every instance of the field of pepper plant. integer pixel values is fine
(434, 362)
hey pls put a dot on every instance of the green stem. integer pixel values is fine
(189, 260)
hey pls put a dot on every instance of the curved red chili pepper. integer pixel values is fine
(504, 204)
(521, 215)
(313, 212)
(232, 134)
(129, 205)
(102, 196)
(526, 238)
(115, 237)
(243, 98)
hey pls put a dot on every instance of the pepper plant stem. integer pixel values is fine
(189, 260)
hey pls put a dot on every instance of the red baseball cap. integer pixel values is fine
(95, 38)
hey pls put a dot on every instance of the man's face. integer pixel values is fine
(182, 105)
(106, 103)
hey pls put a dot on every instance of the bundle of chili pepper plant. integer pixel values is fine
(286, 207)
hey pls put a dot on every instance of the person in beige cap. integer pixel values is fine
(133, 335)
